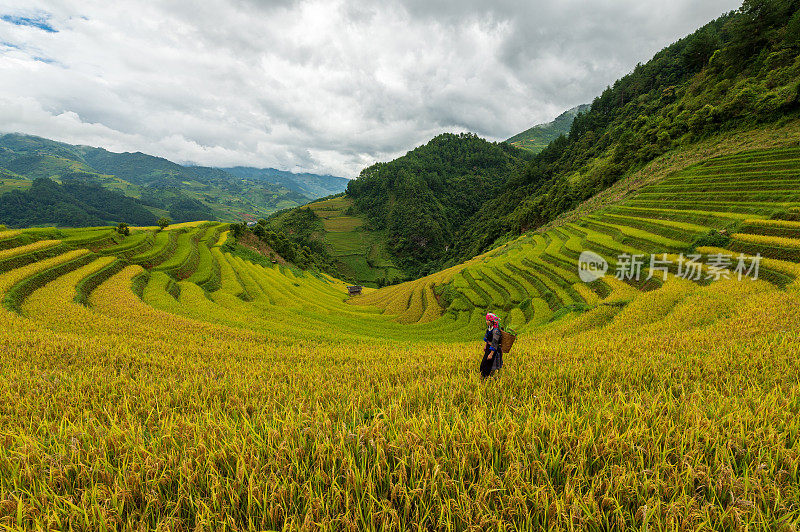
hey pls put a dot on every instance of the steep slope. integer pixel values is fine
(735, 73)
(538, 137)
(422, 198)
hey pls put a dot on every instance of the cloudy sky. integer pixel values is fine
(326, 86)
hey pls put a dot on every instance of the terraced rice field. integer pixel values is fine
(160, 382)
(361, 254)
(750, 199)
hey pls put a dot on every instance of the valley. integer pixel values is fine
(164, 188)
(218, 371)
(170, 322)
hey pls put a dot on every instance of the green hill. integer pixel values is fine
(421, 199)
(538, 137)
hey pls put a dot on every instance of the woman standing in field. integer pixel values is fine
(492, 351)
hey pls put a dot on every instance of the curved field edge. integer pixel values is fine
(636, 230)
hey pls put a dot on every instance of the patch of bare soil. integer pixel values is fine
(251, 241)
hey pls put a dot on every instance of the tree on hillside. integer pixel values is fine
(123, 229)
(163, 222)
(700, 49)
(792, 34)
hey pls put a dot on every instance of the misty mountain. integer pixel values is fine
(311, 185)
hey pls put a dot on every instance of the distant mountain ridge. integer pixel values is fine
(165, 188)
(311, 185)
(539, 136)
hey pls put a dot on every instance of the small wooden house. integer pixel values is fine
(354, 290)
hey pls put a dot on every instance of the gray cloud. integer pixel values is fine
(314, 85)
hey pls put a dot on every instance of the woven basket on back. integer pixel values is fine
(507, 340)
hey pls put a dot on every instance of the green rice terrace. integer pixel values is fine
(359, 253)
(747, 203)
(160, 381)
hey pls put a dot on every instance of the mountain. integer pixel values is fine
(736, 73)
(165, 188)
(313, 186)
(422, 198)
(73, 203)
(538, 137)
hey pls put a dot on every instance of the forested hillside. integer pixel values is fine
(422, 198)
(735, 73)
(72, 204)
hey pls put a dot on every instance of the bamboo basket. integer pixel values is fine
(507, 338)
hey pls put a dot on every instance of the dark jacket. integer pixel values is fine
(493, 346)
(492, 337)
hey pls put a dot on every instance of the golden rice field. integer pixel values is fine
(159, 382)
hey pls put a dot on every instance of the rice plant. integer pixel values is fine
(244, 397)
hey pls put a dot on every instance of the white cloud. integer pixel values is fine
(315, 85)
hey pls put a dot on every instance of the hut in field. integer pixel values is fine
(354, 290)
